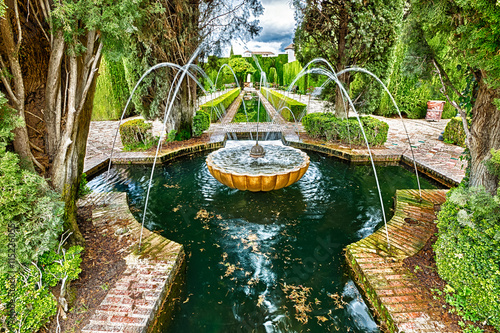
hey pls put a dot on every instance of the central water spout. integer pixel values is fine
(257, 150)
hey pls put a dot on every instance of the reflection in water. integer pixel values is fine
(246, 250)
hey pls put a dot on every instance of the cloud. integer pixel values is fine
(278, 26)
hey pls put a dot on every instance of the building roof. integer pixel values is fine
(258, 52)
(290, 47)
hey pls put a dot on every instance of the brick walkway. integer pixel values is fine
(435, 158)
(395, 293)
(132, 304)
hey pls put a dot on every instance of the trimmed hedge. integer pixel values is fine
(468, 253)
(331, 128)
(201, 122)
(454, 132)
(278, 100)
(136, 134)
(222, 102)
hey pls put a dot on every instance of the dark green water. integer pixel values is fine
(244, 248)
(253, 109)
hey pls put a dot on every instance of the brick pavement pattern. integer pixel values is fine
(132, 304)
(395, 293)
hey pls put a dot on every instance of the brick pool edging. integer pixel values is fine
(380, 155)
(392, 305)
(139, 295)
(394, 293)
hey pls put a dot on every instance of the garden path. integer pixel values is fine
(430, 153)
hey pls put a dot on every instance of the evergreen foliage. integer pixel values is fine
(241, 68)
(349, 33)
(31, 220)
(454, 132)
(468, 252)
(327, 126)
(28, 204)
(111, 91)
(281, 102)
(136, 134)
(290, 71)
(218, 105)
(201, 122)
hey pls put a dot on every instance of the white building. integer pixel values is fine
(248, 54)
(290, 51)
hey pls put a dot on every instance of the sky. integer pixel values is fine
(278, 26)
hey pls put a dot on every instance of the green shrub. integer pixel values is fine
(83, 189)
(182, 135)
(220, 104)
(201, 122)
(279, 101)
(331, 128)
(454, 132)
(31, 207)
(33, 302)
(136, 135)
(31, 220)
(171, 135)
(468, 252)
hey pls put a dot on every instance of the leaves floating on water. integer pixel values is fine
(298, 295)
(176, 209)
(337, 300)
(261, 300)
(202, 214)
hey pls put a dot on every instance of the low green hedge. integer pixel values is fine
(331, 128)
(222, 102)
(468, 253)
(278, 101)
(454, 132)
(136, 134)
(201, 122)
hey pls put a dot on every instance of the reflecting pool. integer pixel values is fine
(265, 261)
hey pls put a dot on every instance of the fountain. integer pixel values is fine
(259, 241)
(258, 170)
(254, 170)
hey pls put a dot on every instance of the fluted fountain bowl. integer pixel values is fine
(280, 167)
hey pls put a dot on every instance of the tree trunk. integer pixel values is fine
(341, 102)
(485, 135)
(73, 167)
(342, 110)
(183, 112)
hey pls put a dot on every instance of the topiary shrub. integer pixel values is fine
(201, 122)
(454, 132)
(331, 128)
(220, 104)
(468, 252)
(279, 101)
(136, 135)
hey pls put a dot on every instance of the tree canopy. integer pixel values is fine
(470, 30)
(347, 33)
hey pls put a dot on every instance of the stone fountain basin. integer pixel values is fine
(256, 180)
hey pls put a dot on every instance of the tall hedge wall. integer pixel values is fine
(221, 103)
(278, 101)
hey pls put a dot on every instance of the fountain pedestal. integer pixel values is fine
(281, 167)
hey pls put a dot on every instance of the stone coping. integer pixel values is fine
(380, 155)
(393, 291)
(139, 295)
(356, 156)
(148, 157)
